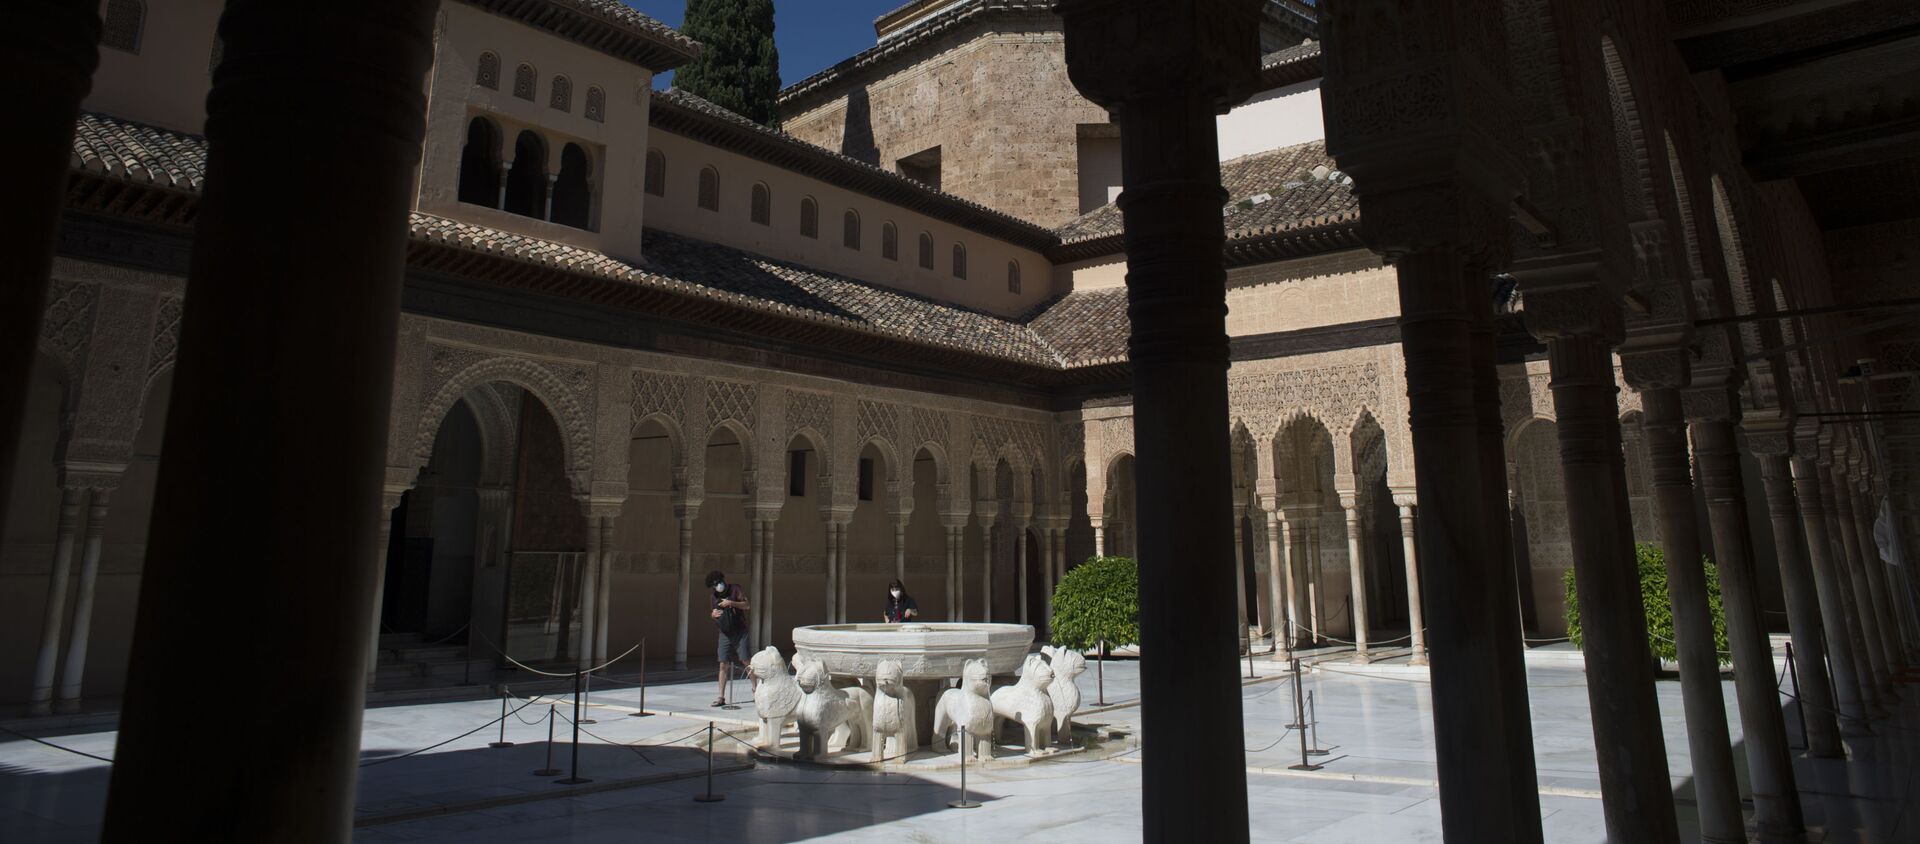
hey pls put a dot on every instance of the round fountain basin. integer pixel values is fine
(925, 651)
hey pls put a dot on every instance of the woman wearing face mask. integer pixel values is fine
(900, 605)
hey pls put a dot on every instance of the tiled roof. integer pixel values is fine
(1304, 188)
(135, 152)
(1290, 65)
(837, 298)
(687, 114)
(1085, 327)
(609, 26)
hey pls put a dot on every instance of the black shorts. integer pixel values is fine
(733, 647)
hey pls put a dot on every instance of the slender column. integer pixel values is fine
(506, 172)
(1416, 614)
(1279, 581)
(389, 501)
(1020, 560)
(47, 55)
(51, 623)
(296, 307)
(769, 524)
(756, 576)
(552, 179)
(833, 573)
(986, 567)
(76, 665)
(1310, 576)
(1050, 560)
(1841, 655)
(900, 547)
(1714, 784)
(1776, 802)
(603, 614)
(1875, 679)
(1099, 536)
(1357, 576)
(1803, 608)
(840, 572)
(685, 514)
(590, 594)
(1240, 583)
(1876, 570)
(1638, 799)
(953, 571)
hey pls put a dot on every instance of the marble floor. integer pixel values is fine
(1377, 783)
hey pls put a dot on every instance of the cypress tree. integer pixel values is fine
(739, 66)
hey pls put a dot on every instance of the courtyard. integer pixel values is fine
(1377, 781)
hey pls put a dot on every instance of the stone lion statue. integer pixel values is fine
(775, 698)
(892, 712)
(967, 706)
(1027, 702)
(826, 711)
(1067, 664)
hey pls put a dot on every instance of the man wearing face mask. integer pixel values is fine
(730, 615)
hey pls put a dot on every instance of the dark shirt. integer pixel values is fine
(897, 609)
(733, 594)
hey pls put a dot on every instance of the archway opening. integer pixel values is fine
(527, 181)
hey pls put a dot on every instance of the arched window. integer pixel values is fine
(889, 241)
(762, 209)
(926, 251)
(850, 226)
(480, 164)
(527, 181)
(656, 173)
(572, 199)
(809, 217)
(1013, 276)
(562, 97)
(959, 261)
(596, 104)
(121, 27)
(709, 189)
(487, 75)
(523, 78)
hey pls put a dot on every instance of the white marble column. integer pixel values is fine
(1890, 632)
(685, 514)
(1020, 561)
(388, 503)
(1803, 607)
(1099, 535)
(832, 605)
(1048, 563)
(75, 668)
(1876, 676)
(51, 623)
(1416, 614)
(589, 601)
(552, 179)
(840, 567)
(603, 609)
(1279, 581)
(900, 547)
(769, 529)
(1357, 576)
(506, 172)
(986, 568)
(1829, 585)
(1240, 583)
(954, 594)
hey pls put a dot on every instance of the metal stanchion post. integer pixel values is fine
(642, 711)
(1799, 706)
(1313, 725)
(587, 695)
(503, 722)
(965, 749)
(1299, 707)
(1100, 674)
(549, 770)
(730, 705)
(1299, 704)
(1249, 659)
(709, 797)
(575, 779)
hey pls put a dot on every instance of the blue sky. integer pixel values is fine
(812, 34)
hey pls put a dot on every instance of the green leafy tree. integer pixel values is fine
(1659, 606)
(739, 66)
(1098, 600)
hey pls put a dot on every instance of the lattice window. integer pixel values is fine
(487, 74)
(596, 104)
(562, 96)
(523, 79)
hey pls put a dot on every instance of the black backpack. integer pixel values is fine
(732, 620)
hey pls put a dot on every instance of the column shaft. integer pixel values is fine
(1099, 539)
(1874, 678)
(1714, 785)
(1638, 799)
(1841, 655)
(1416, 615)
(75, 669)
(987, 561)
(832, 612)
(769, 528)
(1277, 586)
(1482, 727)
(1357, 576)
(385, 536)
(590, 595)
(684, 591)
(756, 609)
(953, 576)
(51, 623)
(1240, 583)
(603, 608)
(840, 574)
(1803, 608)
(296, 307)
(1776, 802)
(1876, 570)
(900, 549)
(1020, 560)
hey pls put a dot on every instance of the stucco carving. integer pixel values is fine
(564, 389)
(659, 392)
(166, 335)
(811, 412)
(68, 320)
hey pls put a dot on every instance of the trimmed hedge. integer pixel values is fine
(1098, 600)
(1659, 606)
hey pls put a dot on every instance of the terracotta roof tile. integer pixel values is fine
(1298, 194)
(1086, 327)
(135, 152)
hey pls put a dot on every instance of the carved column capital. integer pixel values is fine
(1129, 50)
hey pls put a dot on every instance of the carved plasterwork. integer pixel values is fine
(811, 412)
(930, 426)
(68, 321)
(1335, 394)
(731, 401)
(166, 335)
(565, 389)
(659, 392)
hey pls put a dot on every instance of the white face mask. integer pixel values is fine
(720, 587)
(896, 592)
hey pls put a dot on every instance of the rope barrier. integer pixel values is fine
(447, 637)
(386, 759)
(508, 657)
(1283, 737)
(56, 746)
